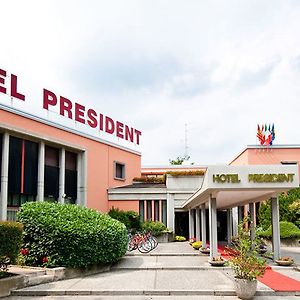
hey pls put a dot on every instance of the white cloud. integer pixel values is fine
(220, 66)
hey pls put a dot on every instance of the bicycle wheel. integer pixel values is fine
(145, 246)
(154, 241)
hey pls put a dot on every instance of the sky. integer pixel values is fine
(220, 67)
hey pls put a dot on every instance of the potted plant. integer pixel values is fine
(192, 240)
(217, 261)
(246, 264)
(197, 245)
(284, 261)
(205, 250)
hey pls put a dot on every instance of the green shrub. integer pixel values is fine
(197, 245)
(288, 230)
(130, 218)
(157, 228)
(70, 235)
(10, 239)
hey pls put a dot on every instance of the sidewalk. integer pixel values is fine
(172, 271)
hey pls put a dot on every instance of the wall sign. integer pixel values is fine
(72, 110)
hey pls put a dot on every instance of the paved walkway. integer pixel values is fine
(172, 271)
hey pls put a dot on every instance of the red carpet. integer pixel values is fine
(279, 282)
(275, 280)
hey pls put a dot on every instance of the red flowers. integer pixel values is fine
(44, 259)
(24, 252)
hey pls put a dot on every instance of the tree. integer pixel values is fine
(179, 160)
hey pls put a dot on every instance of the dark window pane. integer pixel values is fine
(51, 156)
(71, 161)
(30, 168)
(141, 211)
(51, 182)
(156, 210)
(70, 186)
(149, 210)
(14, 165)
(119, 171)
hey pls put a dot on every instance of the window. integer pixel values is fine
(164, 211)
(141, 210)
(156, 210)
(71, 177)
(149, 210)
(119, 171)
(22, 171)
(51, 177)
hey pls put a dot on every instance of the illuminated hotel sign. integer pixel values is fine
(73, 110)
(256, 178)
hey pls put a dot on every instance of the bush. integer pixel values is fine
(157, 228)
(288, 230)
(179, 238)
(70, 235)
(197, 245)
(11, 239)
(130, 218)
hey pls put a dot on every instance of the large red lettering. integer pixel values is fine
(14, 88)
(2, 81)
(109, 125)
(49, 99)
(128, 133)
(92, 118)
(65, 105)
(79, 113)
(120, 129)
(138, 134)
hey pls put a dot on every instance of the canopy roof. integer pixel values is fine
(238, 185)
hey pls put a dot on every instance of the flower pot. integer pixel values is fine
(205, 251)
(218, 263)
(245, 289)
(284, 262)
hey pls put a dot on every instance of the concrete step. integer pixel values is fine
(35, 280)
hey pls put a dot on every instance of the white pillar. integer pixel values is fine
(191, 224)
(198, 224)
(62, 164)
(170, 212)
(41, 172)
(4, 177)
(213, 238)
(203, 225)
(229, 226)
(252, 222)
(235, 221)
(275, 228)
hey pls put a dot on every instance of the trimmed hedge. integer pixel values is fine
(70, 235)
(130, 218)
(157, 228)
(288, 230)
(11, 239)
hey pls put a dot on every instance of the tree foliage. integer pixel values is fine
(288, 210)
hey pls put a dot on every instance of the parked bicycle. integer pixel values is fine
(143, 241)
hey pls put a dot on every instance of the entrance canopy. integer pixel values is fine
(233, 186)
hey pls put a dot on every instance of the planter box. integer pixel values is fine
(9, 283)
(166, 237)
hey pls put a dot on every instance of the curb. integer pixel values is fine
(145, 292)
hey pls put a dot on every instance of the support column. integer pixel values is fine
(235, 221)
(41, 172)
(213, 239)
(229, 226)
(191, 224)
(252, 223)
(4, 177)
(170, 212)
(203, 225)
(198, 238)
(62, 163)
(275, 228)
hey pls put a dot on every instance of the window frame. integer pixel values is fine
(123, 178)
